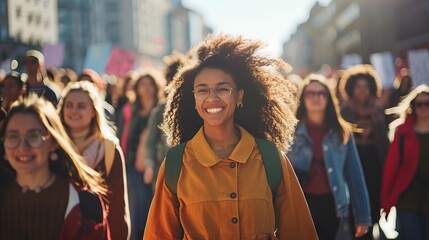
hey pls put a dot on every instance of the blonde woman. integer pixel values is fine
(47, 191)
(82, 114)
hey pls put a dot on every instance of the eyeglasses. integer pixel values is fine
(421, 104)
(204, 93)
(312, 94)
(34, 139)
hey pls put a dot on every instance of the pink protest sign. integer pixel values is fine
(54, 54)
(120, 62)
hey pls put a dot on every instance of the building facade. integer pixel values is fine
(26, 24)
(75, 31)
(344, 28)
(149, 28)
(410, 28)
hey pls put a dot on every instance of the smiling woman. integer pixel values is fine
(46, 189)
(81, 111)
(217, 105)
(324, 157)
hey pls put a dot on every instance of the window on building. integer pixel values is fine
(30, 18)
(112, 27)
(63, 16)
(3, 8)
(18, 11)
(18, 36)
(112, 6)
(3, 33)
(114, 38)
(38, 19)
(348, 16)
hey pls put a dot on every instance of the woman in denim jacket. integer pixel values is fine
(326, 162)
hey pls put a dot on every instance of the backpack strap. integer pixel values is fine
(91, 206)
(272, 163)
(270, 156)
(109, 155)
(173, 166)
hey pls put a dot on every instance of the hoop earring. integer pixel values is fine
(239, 105)
(53, 156)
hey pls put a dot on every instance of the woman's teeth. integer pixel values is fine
(213, 110)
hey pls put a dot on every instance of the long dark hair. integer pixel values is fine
(333, 119)
(156, 81)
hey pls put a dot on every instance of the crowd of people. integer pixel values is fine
(220, 144)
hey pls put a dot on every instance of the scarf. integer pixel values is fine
(91, 148)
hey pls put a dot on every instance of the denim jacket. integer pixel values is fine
(343, 168)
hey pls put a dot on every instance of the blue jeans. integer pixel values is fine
(413, 226)
(140, 197)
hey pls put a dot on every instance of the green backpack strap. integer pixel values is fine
(173, 166)
(270, 156)
(273, 168)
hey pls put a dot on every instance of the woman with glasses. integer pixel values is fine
(325, 159)
(406, 172)
(48, 192)
(222, 100)
(82, 114)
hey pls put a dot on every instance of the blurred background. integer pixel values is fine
(313, 36)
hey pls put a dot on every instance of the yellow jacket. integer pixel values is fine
(228, 198)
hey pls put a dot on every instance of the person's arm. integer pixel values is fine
(119, 216)
(140, 163)
(358, 192)
(390, 172)
(292, 214)
(163, 221)
(153, 137)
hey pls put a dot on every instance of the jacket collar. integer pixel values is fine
(302, 130)
(407, 126)
(208, 158)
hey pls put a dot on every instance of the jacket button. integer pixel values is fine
(330, 170)
(234, 220)
(334, 189)
(233, 195)
(232, 165)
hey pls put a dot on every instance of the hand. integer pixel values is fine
(139, 165)
(148, 175)
(141, 152)
(361, 230)
(388, 225)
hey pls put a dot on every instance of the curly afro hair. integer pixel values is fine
(268, 97)
(351, 75)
